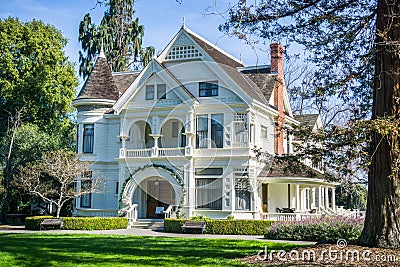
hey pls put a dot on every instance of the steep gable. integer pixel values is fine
(100, 83)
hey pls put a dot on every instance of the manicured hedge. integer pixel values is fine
(81, 223)
(325, 229)
(223, 227)
(33, 223)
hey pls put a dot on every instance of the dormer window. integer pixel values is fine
(207, 89)
(149, 92)
(161, 90)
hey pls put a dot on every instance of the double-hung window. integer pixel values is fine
(161, 91)
(217, 130)
(202, 131)
(149, 92)
(210, 128)
(209, 193)
(208, 89)
(86, 184)
(88, 138)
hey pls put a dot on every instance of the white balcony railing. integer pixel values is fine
(138, 153)
(171, 152)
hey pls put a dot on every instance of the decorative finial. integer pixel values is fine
(240, 57)
(102, 51)
(184, 22)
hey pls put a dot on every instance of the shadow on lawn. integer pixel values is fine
(64, 250)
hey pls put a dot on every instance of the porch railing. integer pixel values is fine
(149, 152)
(280, 216)
(171, 152)
(290, 216)
(168, 211)
(138, 153)
(132, 213)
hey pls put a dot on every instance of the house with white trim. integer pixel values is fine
(195, 133)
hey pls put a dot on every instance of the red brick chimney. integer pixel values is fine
(277, 67)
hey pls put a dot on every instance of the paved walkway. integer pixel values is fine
(144, 232)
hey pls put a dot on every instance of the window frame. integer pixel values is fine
(87, 136)
(86, 198)
(201, 193)
(150, 92)
(208, 89)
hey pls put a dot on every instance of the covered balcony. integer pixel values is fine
(141, 141)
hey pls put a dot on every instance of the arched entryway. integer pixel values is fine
(150, 188)
(151, 193)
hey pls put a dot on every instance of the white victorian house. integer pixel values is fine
(183, 136)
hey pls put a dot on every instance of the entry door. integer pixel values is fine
(152, 203)
(160, 194)
(264, 194)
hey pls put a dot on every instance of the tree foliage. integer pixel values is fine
(55, 177)
(354, 46)
(119, 34)
(28, 146)
(35, 75)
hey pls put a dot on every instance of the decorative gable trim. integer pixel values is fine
(153, 68)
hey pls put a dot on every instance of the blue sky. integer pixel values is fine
(161, 19)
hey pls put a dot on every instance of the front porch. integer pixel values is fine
(296, 199)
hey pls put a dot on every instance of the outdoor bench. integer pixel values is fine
(52, 223)
(194, 225)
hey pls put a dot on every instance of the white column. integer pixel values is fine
(333, 199)
(154, 151)
(320, 204)
(326, 197)
(297, 197)
(312, 198)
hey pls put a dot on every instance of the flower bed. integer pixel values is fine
(324, 229)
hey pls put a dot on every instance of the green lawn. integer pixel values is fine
(112, 250)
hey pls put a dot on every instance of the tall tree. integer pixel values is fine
(35, 75)
(354, 45)
(119, 34)
(37, 83)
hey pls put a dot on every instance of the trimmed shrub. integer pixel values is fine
(223, 227)
(33, 223)
(95, 223)
(324, 229)
(81, 223)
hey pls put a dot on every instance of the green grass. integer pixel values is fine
(112, 250)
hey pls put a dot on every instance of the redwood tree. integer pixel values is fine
(354, 46)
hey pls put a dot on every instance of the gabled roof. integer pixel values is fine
(124, 79)
(213, 51)
(286, 168)
(100, 83)
(307, 120)
(265, 82)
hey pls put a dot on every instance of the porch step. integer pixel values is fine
(152, 224)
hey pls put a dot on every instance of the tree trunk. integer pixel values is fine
(58, 211)
(382, 222)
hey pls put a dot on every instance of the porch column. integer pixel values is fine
(333, 199)
(154, 151)
(297, 196)
(312, 198)
(326, 197)
(320, 204)
(123, 147)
